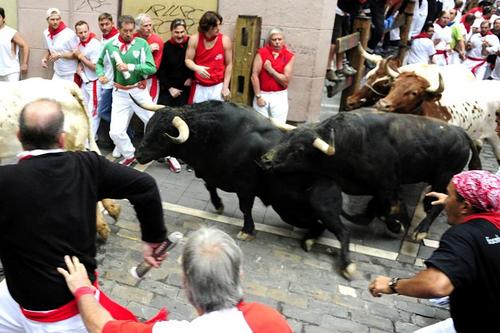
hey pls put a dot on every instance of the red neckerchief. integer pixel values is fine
(422, 35)
(125, 45)
(211, 38)
(53, 32)
(181, 44)
(442, 26)
(492, 217)
(85, 42)
(467, 27)
(113, 32)
(272, 51)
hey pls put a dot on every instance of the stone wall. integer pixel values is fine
(307, 25)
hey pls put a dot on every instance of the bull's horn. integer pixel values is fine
(281, 126)
(323, 146)
(392, 73)
(373, 58)
(147, 106)
(183, 129)
(440, 88)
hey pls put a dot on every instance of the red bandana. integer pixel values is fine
(422, 35)
(480, 188)
(125, 45)
(85, 42)
(181, 44)
(53, 32)
(113, 32)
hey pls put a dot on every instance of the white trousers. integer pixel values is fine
(89, 90)
(202, 93)
(480, 71)
(12, 319)
(122, 110)
(12, 77)
(276, 105)
(445, 326)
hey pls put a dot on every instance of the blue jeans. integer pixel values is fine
(104, 108)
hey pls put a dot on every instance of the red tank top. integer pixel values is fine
(267, 82)
(213, 58)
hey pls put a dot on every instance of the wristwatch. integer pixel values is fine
(392, 284)
(258, 96)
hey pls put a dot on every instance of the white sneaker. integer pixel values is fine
(116, 153)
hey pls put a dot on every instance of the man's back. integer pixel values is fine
(48, 210)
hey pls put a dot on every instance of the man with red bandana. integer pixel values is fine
(60, 42)
(144, 26)
(209, 55)
(271, 74)
(466, 266)
(87, 53)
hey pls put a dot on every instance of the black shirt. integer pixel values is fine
(48, 210)
(173, 71)
(469, 254)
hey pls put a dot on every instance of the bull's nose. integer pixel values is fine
(383, 105)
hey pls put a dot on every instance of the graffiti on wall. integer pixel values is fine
(164, 12)
(91, 4)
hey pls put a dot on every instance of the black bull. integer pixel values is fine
(374, 153)
(223, 145)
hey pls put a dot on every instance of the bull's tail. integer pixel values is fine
(77, 94)
(475, 161)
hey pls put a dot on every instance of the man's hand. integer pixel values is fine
(103, 79)
(203, 71)
(441, 198)
(379, 286)
(76, 276)
(148, 253)
(174, 92)
(154, 47)
(55, 56)
(24, 68)
(226, 94)
(45, 63)
(261, 102)
(122, 67)
(187, 83)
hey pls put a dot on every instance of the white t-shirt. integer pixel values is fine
(9, 63)
(495, 74)
(477, 41)
(91, 51)
(420, 51)
(64, 41)
(444, 36)
(108, 65)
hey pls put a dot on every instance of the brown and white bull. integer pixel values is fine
(468, 104)
(14, 95)
(378, 82)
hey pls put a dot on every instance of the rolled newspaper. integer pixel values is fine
(119, 60)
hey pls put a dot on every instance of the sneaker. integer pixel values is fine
(189, 168)
(331, 76)
(348, 70)
(173, 164)
(116, 153)
(340, 75)
(128, 161)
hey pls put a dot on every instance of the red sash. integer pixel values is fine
(481, 62)
(444, 53)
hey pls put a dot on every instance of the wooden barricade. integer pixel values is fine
(361, 29)
(246, 44)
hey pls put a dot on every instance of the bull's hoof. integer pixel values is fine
(307, 244)
(220, 209)
(349, 271)
(419, 236)
(244, 236)
(112, 207)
